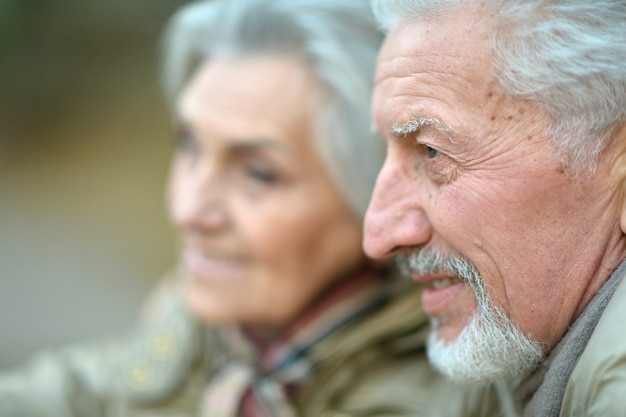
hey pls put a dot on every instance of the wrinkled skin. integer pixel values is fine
(485, 183)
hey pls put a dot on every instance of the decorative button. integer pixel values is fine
(140, 376)
(163, 345)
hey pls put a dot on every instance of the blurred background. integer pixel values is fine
(84, 147)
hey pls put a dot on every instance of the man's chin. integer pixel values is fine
(482, 352)
(448, 329)
(445, 332)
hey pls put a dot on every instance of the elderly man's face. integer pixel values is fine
(470, 175)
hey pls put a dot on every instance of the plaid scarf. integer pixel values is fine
(257, 378)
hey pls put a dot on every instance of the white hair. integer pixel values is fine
(337, 39)
(565, 55)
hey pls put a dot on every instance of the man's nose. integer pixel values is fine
(395, 220)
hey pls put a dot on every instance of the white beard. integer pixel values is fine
(488, 349)
(491, 346)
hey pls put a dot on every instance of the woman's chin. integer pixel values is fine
(209, 310)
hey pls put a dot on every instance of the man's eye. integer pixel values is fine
(431, 152)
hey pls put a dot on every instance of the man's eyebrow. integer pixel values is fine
(415, 124)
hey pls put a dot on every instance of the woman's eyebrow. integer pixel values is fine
(255, 144)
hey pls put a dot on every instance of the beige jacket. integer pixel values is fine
(375, 367)
(597, 386)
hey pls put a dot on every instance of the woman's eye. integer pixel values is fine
(431, 152)
(185, 142)
(265, 175)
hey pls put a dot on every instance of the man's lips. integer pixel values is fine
(440, 292)
(436, 281)
(442, 283)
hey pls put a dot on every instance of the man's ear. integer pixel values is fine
(618, 171)
(622, 217)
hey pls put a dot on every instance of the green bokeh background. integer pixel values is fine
(84, 149)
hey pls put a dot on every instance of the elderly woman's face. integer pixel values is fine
(263, 227)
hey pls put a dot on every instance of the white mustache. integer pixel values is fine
(424, 260)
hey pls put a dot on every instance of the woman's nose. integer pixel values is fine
(395, 220)
(196, 200)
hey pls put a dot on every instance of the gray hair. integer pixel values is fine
(337, 39)
(565, 55)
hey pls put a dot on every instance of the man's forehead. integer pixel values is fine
(438, 55)
(415, 36)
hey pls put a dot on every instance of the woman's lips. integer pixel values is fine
(440, 292)
(210, 267)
